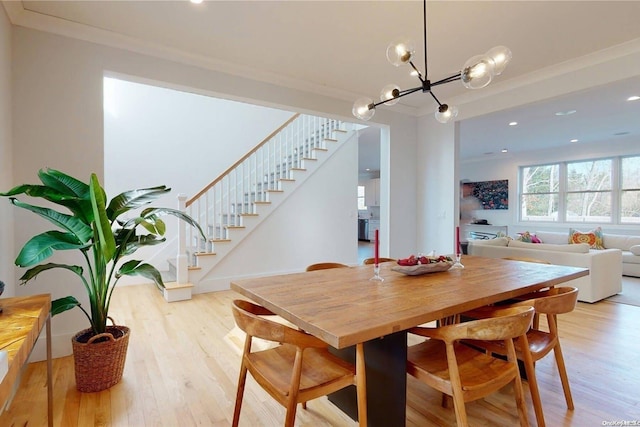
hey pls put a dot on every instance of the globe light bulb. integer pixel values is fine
(477, 72)
(390, 93)
(363, 108)
(400, 52)
(445, 113)
(501, 56)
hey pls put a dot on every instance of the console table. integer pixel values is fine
(21, 322)
(482, 231)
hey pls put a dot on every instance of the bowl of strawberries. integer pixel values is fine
(422, 264)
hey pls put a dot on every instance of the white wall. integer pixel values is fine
(437, 188)
(7, 252)
(58, 122)
(160, 136)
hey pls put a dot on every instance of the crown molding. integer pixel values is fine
(20, 16)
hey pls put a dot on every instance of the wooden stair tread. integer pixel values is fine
(193, 267)
(319, 149)
(176, 285)
(340, 130)
(234, 226)
(249, 214)
(287, 179)
(204, 253)
(331, 139)
(262, 203)
(298, 169)
(309, 158)
(275, 191)
(219, 240)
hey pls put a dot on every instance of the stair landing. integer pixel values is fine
(174, 291)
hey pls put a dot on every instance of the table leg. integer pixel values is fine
(386, 377)
(49, 375)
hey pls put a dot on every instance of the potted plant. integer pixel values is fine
(104, 237)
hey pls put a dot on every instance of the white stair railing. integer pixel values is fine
(220, 206)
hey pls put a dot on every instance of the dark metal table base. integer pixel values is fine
(386, 367)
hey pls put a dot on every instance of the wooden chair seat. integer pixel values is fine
(273, 367)
(298, 370)
(466, 374)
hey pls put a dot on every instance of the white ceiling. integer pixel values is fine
(338, 48)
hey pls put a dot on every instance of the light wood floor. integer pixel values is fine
(183, 360)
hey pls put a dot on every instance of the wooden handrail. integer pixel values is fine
(242, 159)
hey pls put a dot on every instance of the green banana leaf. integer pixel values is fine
(41, 247)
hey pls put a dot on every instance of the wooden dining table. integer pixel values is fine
(344, 307)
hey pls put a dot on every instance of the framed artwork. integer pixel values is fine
(492, 194)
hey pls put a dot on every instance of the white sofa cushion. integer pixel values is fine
(553, 237)
(578, 248)
(621, 242)
(635, 249)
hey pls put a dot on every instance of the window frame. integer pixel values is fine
(616, 191)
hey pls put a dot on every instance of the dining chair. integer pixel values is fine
(299, 369)
(325, 265)
(539, 342)
(536, 316)
(368, 261)
(464, 373)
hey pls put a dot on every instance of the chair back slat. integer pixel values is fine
(553, 301)
(511, 323)
(247, 317)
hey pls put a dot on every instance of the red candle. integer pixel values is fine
(457, 240)
(375, 253)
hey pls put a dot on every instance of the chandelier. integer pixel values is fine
(476, 73)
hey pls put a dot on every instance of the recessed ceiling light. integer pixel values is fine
(504, 150)
(574, 140)
(196, 1)
(367, 169)
(565, 113)
(621, 133)
(513, 123)
(633, 98)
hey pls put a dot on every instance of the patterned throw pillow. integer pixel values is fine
(527, 237)
(593, 237)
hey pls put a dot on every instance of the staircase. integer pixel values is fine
(233, 204)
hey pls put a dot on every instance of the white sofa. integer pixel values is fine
(630, 260)
(605, 266)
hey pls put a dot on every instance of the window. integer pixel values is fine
(597, 191)
(539, 195)
(630, 190)
(361, 204)
(588, 196)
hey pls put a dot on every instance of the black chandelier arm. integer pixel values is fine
(417, 71)
(400, 95)
(449, 79)
(424, 26)
(436, 99)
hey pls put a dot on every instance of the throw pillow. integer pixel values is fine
(524, 237)
(528, 238)
(635, 249)
(592, 237)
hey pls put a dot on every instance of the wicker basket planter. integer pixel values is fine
(99, 361)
